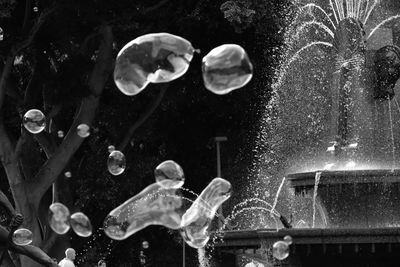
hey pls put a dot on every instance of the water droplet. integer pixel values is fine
(81, 225)
(226, 68)
(169, 174)
(152, 206)
(145, 244)
(1, 34)
(155, 57)
(22, 237)
(68, 174)
(34, 121)
(288, 239)
(83, 130)
(116, 162)
(280, 250)
(111, 148)
(59, 218)
(197, 219)
(60, 134)
(35, 9)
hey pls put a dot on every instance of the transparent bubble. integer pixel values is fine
(81, 225)
(152, 206)
(111, 148)
(288, 239)
(280, 250)
(169, 174)
(60, 134)
(22, 237)
(1, 34)
(34, 121)
(59, 218)
(197, 219)
(68, 174)
(226, 68)
(83, 130)
(116, 162)
(155, 57)
(145, 244)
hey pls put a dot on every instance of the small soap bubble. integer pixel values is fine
(22, 237)
(226, 68)
(68, 174)
(59, 218)
(34, 121)
(116, 162)
(152, 206)
(288, 239)
(145, 244)
(81, 225)
(83, 130)
(155, 57)
(280, 250)
(111, 148)
(197, 219)
(60, 134)
(169, 174)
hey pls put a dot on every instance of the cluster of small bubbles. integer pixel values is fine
(68, 174)
(81, 225)
(197, 219)
(116, 162)
(280, 250)
(169, 174)
(111, 148)
(155, 57)
(60, 134)
(34, 121)
(154, 205)
(83, 130)
(59, 218)
(22, 237)
(226, 68)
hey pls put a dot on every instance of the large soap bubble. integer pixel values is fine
(197, 219)
(34, 121)
(226, 68)
(22, 237)
(280, 250)
(116, 162)
(169, 174)
(81, 225)
(155, 57)
(153, 206)
(59, 218)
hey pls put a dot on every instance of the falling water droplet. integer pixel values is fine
(83, 130)
(169, 174)
(68, 174)
(145, 244)
(111, 148)
(35, 9)
(59, 218)
(1, 34)
(81, 225)
(280, 250)
(34, 121)
(22, 237)
(116, 162)
(60, 134)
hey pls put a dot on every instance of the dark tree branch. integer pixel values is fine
(57, 162)
(144, 116)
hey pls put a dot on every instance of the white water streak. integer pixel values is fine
(317, 178)
(370, 11)
(316, 23)
(323, 11)
(277, 195)
(382, 23)
(392, 135)
(334, 11)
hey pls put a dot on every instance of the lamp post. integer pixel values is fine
(218, 140)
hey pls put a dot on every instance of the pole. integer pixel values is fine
(183, 253)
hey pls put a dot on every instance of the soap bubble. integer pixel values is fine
(68, 174)
(59, 218)
(116, 162)
(83, 130)
(280, 250)
(60, 134)
(197, 219)
(22, 237)
(169, 174)
(152, 206)
(34, 121)
(155, 57)
(81, 225)
(145, 244)
(288, 239)
(226, 68)
(111, 148)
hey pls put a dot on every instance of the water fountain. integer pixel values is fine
(332, 130)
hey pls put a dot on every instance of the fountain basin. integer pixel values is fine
(353, 198)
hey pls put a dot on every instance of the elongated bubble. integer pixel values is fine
(280, 250)
(153, 206)
(22, 237)
(34, 121)
(155, 57)
(169, 174)
(81, 225)
(226, 68)
(197, 219)
(83, 130)
(116, 162)
(59, 218)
